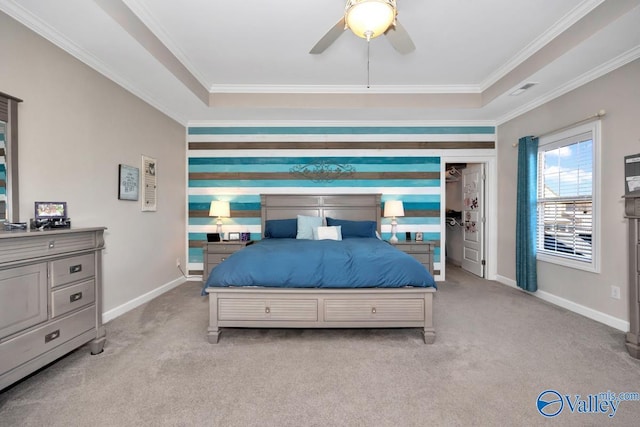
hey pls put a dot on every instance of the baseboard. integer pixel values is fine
(507, 281)
(598, 316)
(138, 301)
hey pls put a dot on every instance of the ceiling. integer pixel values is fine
(248, 60)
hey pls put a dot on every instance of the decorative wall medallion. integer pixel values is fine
(323, 171)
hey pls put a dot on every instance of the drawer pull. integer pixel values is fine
(267, 310)
(75, 297)
(373, 310)
(75, 269)
(222, 259)
(52, 244)
(52, 336)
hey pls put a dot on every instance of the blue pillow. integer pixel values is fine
(354, 228)
(306, 224)
(281, 228)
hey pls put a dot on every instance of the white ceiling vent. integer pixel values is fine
(522, 88)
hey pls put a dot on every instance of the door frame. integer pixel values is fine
(490, 212)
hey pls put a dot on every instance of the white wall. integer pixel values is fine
(619, 94)
(75, 127)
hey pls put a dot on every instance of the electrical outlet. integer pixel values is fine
(615, 292)
(177, 262)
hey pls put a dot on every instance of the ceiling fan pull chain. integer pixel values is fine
(368, 48)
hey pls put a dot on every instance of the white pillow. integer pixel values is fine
(306, 224)
(328, 233)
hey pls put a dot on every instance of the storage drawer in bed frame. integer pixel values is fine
(321, 308)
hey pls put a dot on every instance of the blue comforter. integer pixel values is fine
(296, 263)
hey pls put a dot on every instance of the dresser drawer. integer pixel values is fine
(23, 294)
(217, 258)
(270, 309)
(25, 347)
(35, 245)
(72, 269)
(374, 310)
(418, 248)
(224, 248)
(72, 297)
(422, 258)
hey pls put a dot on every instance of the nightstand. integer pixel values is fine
(216, 252)
(422, 251)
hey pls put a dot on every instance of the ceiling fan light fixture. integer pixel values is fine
(369, 18)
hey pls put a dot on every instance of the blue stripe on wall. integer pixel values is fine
(200, 206)
(427, 130)
(307, 183)
(286, 167)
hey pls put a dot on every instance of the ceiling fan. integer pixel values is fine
(369, 19)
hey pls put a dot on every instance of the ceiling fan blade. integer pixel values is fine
(328, 39)
(400, 39)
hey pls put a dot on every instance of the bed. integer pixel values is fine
(325, 304)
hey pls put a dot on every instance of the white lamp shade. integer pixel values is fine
(220, 209)
(369, 18)
(393, 208)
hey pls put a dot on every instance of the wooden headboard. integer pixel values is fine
(355, 207)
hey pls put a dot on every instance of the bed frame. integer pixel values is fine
(321, 308)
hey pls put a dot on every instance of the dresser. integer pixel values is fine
(632, 212)
(50, 297)
(422, 251)
(216, 252)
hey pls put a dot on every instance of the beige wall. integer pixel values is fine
(75, 127)
(619, 94)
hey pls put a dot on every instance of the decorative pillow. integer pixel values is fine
(281, 228)
(354, 228)
(327, 233)
(306, 224)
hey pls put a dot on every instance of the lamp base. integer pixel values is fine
(394, 228)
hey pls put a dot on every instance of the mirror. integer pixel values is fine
(9, 204)
(3, 175)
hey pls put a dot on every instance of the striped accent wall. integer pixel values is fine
(240, 164)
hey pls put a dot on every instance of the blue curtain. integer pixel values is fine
(526, 214)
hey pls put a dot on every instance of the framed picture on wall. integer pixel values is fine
(149, 184)
(128, 182)
(419, 236)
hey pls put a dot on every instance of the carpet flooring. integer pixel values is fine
(497, 349)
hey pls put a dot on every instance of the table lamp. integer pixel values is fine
(393, 209)
(221, 210)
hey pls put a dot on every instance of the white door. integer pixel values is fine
(473, 219)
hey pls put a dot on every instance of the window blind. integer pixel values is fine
(565, 197)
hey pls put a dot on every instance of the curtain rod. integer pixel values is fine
(596, 116)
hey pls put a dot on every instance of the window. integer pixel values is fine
(568, 197)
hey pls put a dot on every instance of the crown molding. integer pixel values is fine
(340, 123)
(142, 12)
(597, 72)
(44, 30)
(576, 14)
(345, 89)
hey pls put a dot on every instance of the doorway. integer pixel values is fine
(465, 216)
